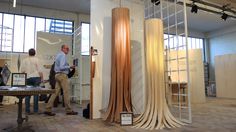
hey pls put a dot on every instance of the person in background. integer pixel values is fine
(32, 68)
(1, 84)
(52, 83)
(61, 69)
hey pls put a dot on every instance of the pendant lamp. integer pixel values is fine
(120, 88)
(157, 114)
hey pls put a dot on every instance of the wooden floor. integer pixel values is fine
(217, 115)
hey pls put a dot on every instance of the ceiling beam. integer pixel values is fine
(223, 7)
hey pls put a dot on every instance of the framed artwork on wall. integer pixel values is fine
(18, 79)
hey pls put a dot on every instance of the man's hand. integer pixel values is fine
(72, 67)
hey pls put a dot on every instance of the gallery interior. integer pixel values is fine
(140, 65)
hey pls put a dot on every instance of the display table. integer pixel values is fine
(20, 93)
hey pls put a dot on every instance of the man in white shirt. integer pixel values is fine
(31, 66)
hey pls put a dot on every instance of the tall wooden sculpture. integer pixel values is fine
(120, 94)
(156, 114)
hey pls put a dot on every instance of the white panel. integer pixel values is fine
(101, 40)
(225, 71)
(196, 73)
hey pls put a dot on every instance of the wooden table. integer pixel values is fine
(20, 93)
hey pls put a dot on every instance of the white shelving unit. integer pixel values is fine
(76, 81)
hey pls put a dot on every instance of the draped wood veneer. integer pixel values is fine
(157, 114)
(120, 88)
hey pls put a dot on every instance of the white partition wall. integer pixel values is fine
(225, 71)
(101, 40)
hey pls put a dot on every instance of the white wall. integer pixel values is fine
(83, 18)
(101, 40)
(225, 70)
(220, 43)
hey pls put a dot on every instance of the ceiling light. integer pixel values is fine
(194, 8)
(14, 3)
(156, 2)
(224, 16)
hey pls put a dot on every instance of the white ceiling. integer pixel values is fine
(207, 22)
(202, 21)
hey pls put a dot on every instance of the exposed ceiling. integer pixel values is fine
(79, 6)
(207, 22)
(224, 2)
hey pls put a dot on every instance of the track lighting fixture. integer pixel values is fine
(156, 2)
(225, 11)
(224, 16)
(194, 8)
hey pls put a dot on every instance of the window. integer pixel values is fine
(174, 42)
(29, 33)
(1, 27)
(40, 24)
(18, 33)
(18, 40)
(85, 38)
(7, 32)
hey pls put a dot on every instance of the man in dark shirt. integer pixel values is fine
(1, 84)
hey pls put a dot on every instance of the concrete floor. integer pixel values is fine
(217, 115)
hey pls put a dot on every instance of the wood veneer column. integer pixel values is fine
(157, 114)
(120, 93)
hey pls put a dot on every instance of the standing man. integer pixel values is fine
(61, 69)
(31, 66)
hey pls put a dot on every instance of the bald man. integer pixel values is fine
(61, 69)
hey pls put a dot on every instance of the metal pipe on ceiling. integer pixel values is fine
(209, 10)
